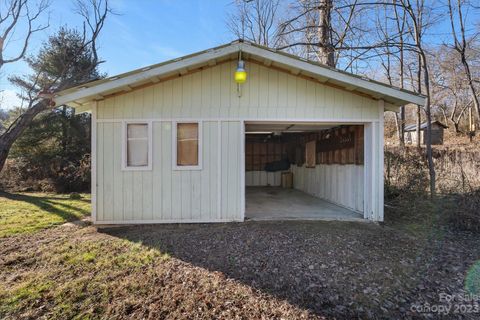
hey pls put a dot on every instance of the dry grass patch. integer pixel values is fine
(79, 273)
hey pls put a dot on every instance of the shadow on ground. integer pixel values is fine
(331, 268)
(51, 204)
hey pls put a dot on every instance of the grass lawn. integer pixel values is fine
(251, 270)
(29, 212)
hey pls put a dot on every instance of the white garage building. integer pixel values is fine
(182, 141)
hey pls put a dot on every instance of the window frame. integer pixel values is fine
(125, 166)
(175, 166)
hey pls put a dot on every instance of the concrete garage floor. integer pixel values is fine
(275, 203)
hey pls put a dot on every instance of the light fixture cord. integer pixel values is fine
(239, 89)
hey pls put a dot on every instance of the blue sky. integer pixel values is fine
(143, 32)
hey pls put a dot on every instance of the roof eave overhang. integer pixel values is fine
(376, 89)
(69, 95)
(394, 97)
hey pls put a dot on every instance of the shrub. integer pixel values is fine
(407, 180)
(406, 174)
(466, 216)
(20, 174)
(52, 155)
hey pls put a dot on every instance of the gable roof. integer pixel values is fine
(423, 126)
(97, 90)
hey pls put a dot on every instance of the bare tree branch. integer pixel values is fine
(20, 11)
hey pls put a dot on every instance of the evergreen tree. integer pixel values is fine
(56, 145)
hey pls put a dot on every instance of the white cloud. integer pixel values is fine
(9, 99)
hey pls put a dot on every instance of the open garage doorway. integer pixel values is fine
(304, 171)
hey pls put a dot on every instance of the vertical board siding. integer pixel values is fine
(263, 178)
(118, 183)
(212, 93)
(340, 184)
(230, 169)
(100, 171)
(164, 194)
(214, 192)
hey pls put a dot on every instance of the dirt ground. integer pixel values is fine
(269, 270)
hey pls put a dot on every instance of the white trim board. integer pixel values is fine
(340, 121)
(242, 170)
(93, 160)
(219, 169)
(381, 163)
(157, 221)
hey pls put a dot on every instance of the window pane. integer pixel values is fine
(137, 131)
(187, 131)
(187, 144)
(137, 145)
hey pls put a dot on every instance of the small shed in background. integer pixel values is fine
(437, 133)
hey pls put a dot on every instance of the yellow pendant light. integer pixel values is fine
(240, 73)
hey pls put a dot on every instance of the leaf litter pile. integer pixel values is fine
(251, 270)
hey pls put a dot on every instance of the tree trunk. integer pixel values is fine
(398, 126)
(419, 123)
(402, 127)
(476, 103)
(16, 129)
(455, 125)
(428, 142)
(64, 129)
(423, 66)
(326, 50)
(419, 111)
(444, 114)
(401, 29)
(402, 83)
(461, 46)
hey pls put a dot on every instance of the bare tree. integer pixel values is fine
(387, 56)
(322, 27)
(20, 12)
(94, 13)
(394, 41)
(450, 91)
(417, 23)
(256, 21)
(318, 21)
(392, 57)
(461, 44)
(401, 23)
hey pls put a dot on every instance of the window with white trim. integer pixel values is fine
(137, 146)
(187, 145)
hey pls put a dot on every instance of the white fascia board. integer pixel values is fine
(332, 74)
(391, 107)
(145, 75)
(295, 63)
